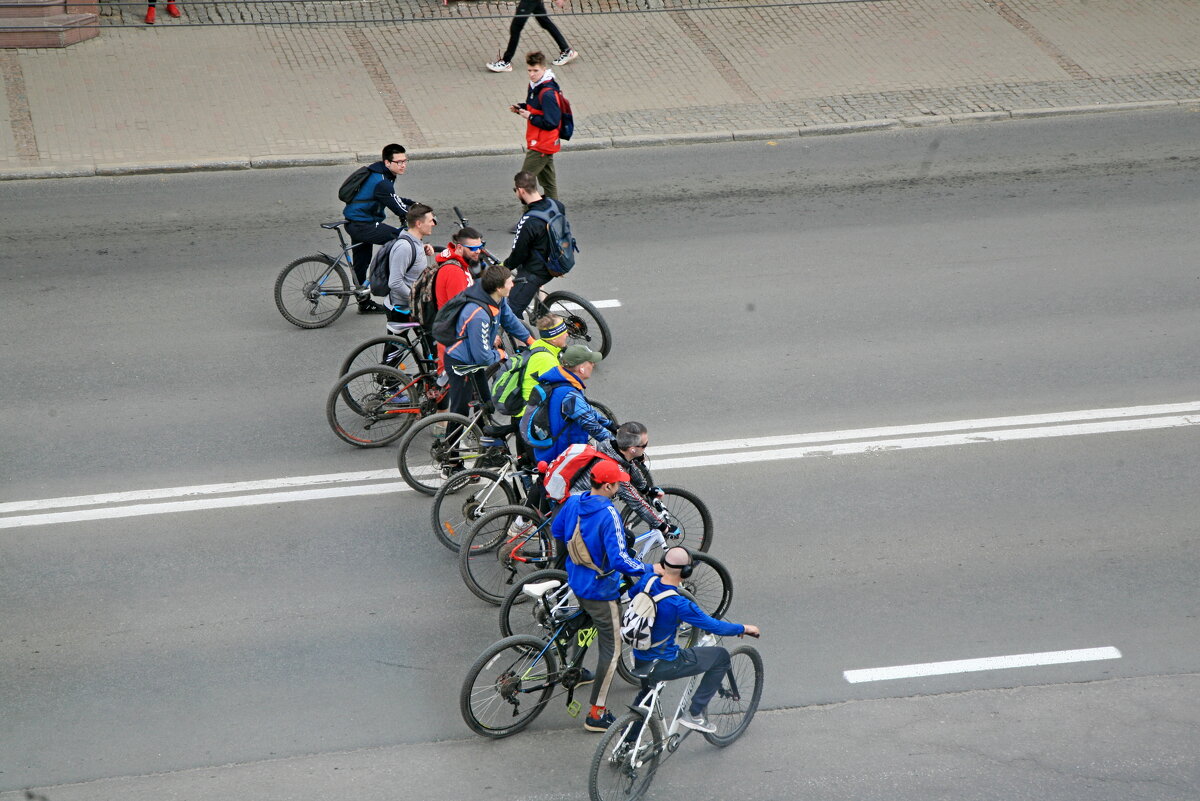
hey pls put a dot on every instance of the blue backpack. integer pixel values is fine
(561, 257)
(535, 423)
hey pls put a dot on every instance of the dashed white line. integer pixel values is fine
(986, 663)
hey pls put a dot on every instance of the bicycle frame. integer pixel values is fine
(651, 705)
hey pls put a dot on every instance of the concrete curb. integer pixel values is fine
(591, 143)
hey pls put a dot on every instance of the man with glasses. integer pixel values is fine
(628, 449)
(365, 216)
(458, 268)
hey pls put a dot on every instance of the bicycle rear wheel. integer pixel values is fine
(372, 407)
(623, 767)
(312, 292)
(508, 686)
(465, 498)
(710, 585)
(736, 701)
(519, 614)
(585, 325)
(426, 457)
(370, 354)
(503, 546)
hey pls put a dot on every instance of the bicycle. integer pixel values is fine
(511, 541)
(585, 325)
(632, 749)
(313, 291)
(374, 405)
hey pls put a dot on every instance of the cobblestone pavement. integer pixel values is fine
(212, 90)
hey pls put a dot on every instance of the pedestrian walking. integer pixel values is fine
(152, 10)
(536, 9)
(542, 112)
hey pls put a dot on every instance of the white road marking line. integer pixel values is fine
(830, 443)
(138, 510)
(986, 663)
(599, 304)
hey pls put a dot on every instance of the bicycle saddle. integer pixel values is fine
(333, 225)
(541, 588)
(500, 431)
(467, 369)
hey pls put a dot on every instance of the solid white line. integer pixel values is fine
(987, 663)
(599, 304)
(139, 510)
(200, 489)
(965, 438)
(929, 428)
(969, 432)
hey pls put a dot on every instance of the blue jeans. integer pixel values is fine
(712, 661)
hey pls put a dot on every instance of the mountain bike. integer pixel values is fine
(633, 748)
(375, 404)
(464, 498)
(313, 291)
(585, 325)
(512, 541)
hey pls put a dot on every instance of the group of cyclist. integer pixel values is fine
(494, 299)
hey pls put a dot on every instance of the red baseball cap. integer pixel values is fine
(607, 472)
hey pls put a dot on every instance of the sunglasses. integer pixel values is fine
(475, 248)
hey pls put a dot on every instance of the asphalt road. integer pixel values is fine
(766, 289)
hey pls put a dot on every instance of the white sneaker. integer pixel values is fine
(563, 57)
(519, 528)
(503, 66)
(697, 723)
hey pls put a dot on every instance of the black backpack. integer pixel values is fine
(380, 271)
(445, 324)
(353, 184)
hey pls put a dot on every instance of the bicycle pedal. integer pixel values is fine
(574, 708)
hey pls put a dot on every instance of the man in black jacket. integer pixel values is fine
(531, 245)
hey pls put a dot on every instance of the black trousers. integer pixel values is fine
(711, 660)
(524, 291)
(536, 8)
(364, 235)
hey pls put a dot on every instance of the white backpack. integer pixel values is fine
(638, 618)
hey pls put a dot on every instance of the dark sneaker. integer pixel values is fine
(585, 677)
(697, 723)
(370, 307)
(599, 724)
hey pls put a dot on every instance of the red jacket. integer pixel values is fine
(545, 118)
(453, 277)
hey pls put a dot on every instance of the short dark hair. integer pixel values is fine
(493, 277)
(415, 212)
(390, 151)
(466, 232)
(630, 434)
(535, 58)
(525, 180)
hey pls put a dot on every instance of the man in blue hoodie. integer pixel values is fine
(365, 214)
(478, 340)
(572, 419)
(664, 658)
(598, 585)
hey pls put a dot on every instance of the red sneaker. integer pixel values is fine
(150, 15)
(173, 10)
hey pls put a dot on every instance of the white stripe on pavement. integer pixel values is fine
(598, 304)
(728, 452)
(986, 663)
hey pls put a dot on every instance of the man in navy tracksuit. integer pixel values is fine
(365, 214)
(599, 588)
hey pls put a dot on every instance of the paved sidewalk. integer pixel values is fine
(178, 96)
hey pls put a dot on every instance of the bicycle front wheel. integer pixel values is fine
(585, 326)
(519, 614)
(710, 585)
(508, 686)
(370, 354)
(736, 701)
(504, 546)
(372, 407)
(427, 457)
(624, 765)
(312, 292)
(465, 498)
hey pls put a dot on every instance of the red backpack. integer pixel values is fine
(560, 474)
